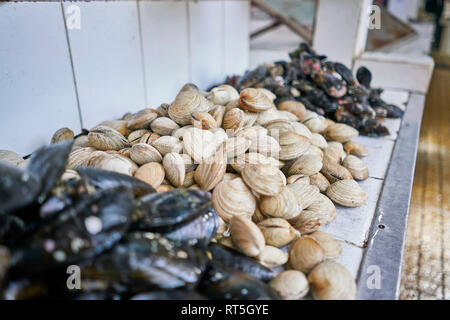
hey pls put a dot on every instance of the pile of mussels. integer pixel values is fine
(326, 87)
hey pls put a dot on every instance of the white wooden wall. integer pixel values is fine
(127, 55)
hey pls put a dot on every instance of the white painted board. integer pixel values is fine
(107, 60)
(37, 94)
(164, 29)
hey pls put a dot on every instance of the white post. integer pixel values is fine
(341, 29)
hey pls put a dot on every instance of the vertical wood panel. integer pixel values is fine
(236, 36)
(165, 46)
(206, 42)
(37, 94)
(107, 60)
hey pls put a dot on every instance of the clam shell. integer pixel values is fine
(199, 144)
(333, 249)
(294, 107)
(331, 281)
(149, 137)
(162, 110)
(283, 205)
(276, 127)
(320, 181)
(79, 157)
(13, 158)
(356, 148)
(211, 170)
(62, 134)
(290, 285)
(187, 102)
(334, 171)
(135, 136)
(142, 153)
(316, 124)
(306, 164)
(151, 173)
(233, 197)
(250, 119)
(233, 120)
(164, 188)
(319, 141)
(163, 126)
(315, 151)
(223, 94)
(269, 94)
(188, 179)
(120, 126)
(298, 178)
(306, 194)
(356, 167)
(241, 161)
(254, 100)
(319, 213)
(293, 145)
(269, 115)
(265, 145)
(218, 113)
(338, 148)
(258, 216)
(340, 132)
(203, 120)
(272, 257)
(106, 138)
(112, 162)
(174, 167)
(142, 119)
(264, 179)
(167, 144)
(246, 236)
(305, 253)
(236, 146)
(278, 232)
(347, 193)
(252, 132)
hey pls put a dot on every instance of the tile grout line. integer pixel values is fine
(141, 43)
(72, 66)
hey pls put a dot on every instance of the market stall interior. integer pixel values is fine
(196, 173)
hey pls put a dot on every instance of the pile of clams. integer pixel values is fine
(217, 195)
(326, 87)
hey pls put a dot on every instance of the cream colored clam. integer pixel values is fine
(340, 132)
(203, 120)
(233, 197)
(223, 94)
(106, 138)
(265, 145)
(151, 173)
(252, 132)
(334, 171)
(62, 134)
(356, 149)
(218, 113)
(199, 144)
(293, 145)
(332, 247)
(319, 181)
(347, 193)
(290, 284)
(11, 157)
(142, 119)
(282, 205)
(276, 127)
(294, 107)
(163, 126)
(233, 120)
(272, 257)
(167, 144)
(187, 102)
(298, 178)
(246, 236)
(278, 232)
(136, 135)
(319, 141)
(264, 179)
(142, 153)
(189, 179)
(79, 157)
(306, 164)
(112, 162)
(306, 194)
(174, 167)
(305, 253)
(241, 161)
(316, 124)
(254, 100)
(235, 146)
(356, 167)
(211, 170)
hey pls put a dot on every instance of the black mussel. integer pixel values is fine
(169, 295)
(364, 76)
(333, 86)
(393, 111)
(222, 282)
(199, 231)
(104, 179)
(162, 212)
(48, 164)
(373, 128)
(317, 97)
(250, 78)
(93, 224)
(18, 188)
(345, 73)
(344, 116)
(240, 262)
(145, 261)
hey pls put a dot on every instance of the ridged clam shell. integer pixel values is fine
(319, 141)
(265, 145)
(218, 113)
(340, 132)
(152, 173)
(306, 194)
(333, 249)
(356, 167)
(187, 102)
(235, 146)
(163, 126)
(211, 170)
(293, 145)
(175, 170)
(167, 144)
(79, 157)
(306, 164)
(223, 94)
(233, 197)
(356, 149)
(142, 119)
(320, 181)
(142, 153)
(298, 178)
(347, 193)
(331, 281)
(135, 136)
(316, 124)
(252, 132)
(276, 127)
(272, 257)
(112, 162)
(233, 120)
(294, 107)
(334, 171)
(283, 205)
(199, 144)
(203, 120)
(278, 232)
(149, 137)
(305, 253)
(319, 213)
(62, 134)
(269, 94)
(264, 179)
(188, 179)
(241, 161)
(12, 157)
(106, 138)
(120, 126)
(246, 236)
(254, 100)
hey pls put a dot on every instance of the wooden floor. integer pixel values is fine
(426, 267)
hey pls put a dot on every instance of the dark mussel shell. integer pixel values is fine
(48, 164)
(104, 179)
(222, 282)
(169, 295)
(345, 73)
(199, 231)
(240, 262)
(364, 76)
(144, 261)
(18, 188)
(373, 128)
(166, 211)
(93, 224)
